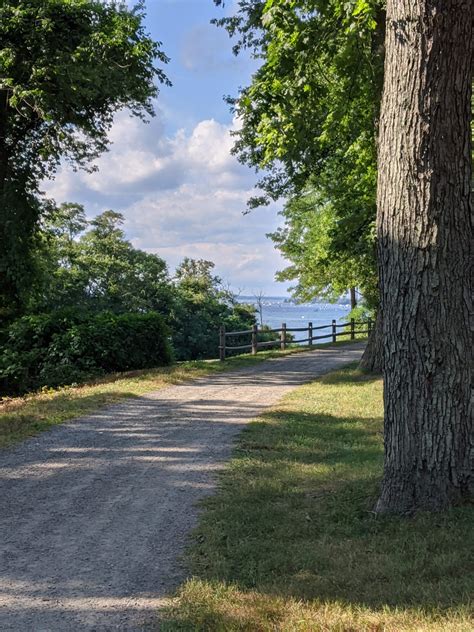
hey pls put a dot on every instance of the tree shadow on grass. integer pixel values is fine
(293, 519)
(347, 377)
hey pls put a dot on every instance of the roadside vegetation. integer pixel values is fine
(21, 417)
(98, 305)
(290, 541)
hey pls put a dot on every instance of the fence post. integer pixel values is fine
(369, 326)
(310, 334)
(352, 329)
(334, 338)
(254, 339)
(222, 343)
(283, 337)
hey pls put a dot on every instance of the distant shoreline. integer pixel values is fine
(290, 301)
(279, 309)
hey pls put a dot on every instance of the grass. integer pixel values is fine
(22, 417)
(290, 542)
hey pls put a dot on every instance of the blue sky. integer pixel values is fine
(202, 66)
(180, 190)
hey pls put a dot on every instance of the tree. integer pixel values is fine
(96, 269)
(259, 305)
(121, 277)
(88, 267)
(67, 221)
(313, 104)
(310, 116)
(59, 281)
(424, 231)
(201, 305)
(65, 69)
(319, 266)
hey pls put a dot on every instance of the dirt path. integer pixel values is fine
(95, 513)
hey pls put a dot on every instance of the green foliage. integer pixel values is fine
(361, 314)
(309, 121)
(65, 69)
(18, 240)
(98, 269)
(66, 347)
(86, 274)
(201, 305)
(314, 101)
(319, 264)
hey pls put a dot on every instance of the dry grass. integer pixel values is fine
(219, 607)
(289, 542)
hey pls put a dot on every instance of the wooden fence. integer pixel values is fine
(348, 329)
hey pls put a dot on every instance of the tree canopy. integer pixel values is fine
(65, 69)
(309, 116)
(318, 265)
(86, 267)
(315, 98)
(90, 264)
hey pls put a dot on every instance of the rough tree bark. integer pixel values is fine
(353, 297)
(372, 358)
(424, 239)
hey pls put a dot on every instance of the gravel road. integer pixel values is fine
(95, 514)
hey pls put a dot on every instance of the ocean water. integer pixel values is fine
(279, 309)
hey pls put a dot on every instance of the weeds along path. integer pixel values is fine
(95, 514)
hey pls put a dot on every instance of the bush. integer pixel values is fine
(62, 348)
(361, 313)
(195, 324)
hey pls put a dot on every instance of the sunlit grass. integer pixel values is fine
(290, 541)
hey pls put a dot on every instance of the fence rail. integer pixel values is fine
(254, 344)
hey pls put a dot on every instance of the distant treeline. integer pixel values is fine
(98, 305)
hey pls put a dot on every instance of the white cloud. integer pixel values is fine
(210, 146)
(247, 268)
(181, 196)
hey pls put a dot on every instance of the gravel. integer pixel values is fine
(95, 514)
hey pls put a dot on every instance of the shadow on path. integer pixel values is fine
(95, 513)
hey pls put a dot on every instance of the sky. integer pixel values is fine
(181, 192)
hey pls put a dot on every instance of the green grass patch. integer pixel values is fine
(290, 542)
(22, 417)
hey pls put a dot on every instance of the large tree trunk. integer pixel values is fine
(5, 246)
(353, 297)
(372, 358)
(424, 239)
(19, 212)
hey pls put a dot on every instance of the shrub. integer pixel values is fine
(61, 348)
(195, 324)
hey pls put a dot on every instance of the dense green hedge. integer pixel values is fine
(195, 324)
(67, 347)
